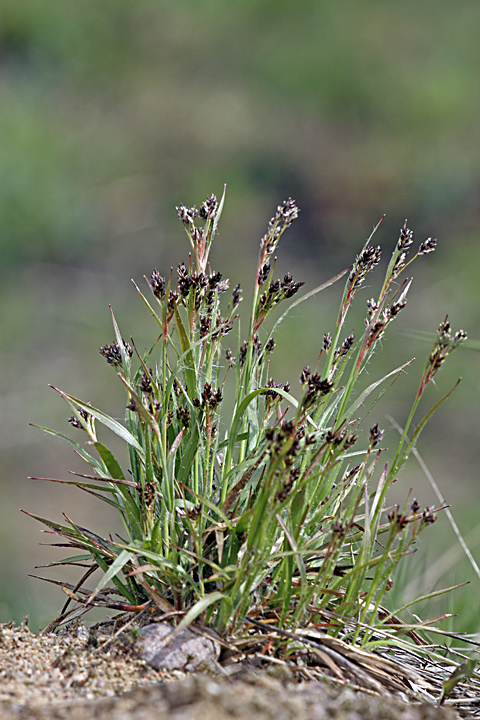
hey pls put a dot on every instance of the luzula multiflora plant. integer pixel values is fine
(274, 511)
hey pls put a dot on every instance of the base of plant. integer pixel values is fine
(409, 670)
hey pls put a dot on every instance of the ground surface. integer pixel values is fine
(77, 674)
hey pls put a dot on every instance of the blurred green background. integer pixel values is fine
(112, 113)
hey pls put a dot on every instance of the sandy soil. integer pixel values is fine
(81, 674)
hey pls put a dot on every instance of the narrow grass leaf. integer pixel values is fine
(419, 428)
(117, 566)
(77, 483)
(197, 609)
(307, 296)
(121, 346)
(148, 306)
(296, 553)
(190, 372)
(370, 389)
(106, 420)
(462, 672)
(110, 461)
(92, 461)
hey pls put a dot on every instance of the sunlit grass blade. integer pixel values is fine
(196, 610)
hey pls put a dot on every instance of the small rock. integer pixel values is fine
(83, 635)
(186, 651)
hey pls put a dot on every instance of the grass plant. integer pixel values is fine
(245, 504)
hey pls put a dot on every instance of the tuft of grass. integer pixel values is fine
(244, 502)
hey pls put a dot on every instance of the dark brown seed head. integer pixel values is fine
(243, 353)
(428, 516)
(287, 212)
(214, 279)
(237, 296)
(75, 422)
(399, 264)
(263, 273)
(372, 306)
(405, 239)
(305, 375)
(148, 494)
(157, 283)
(172, 300)
(230, 357)
(376, 435)
(270, 346)
(184, 280)
(112, 353)
(146, 383)
(415, 506)
(368, 258)
(395, 308)
(352, 472)
(427, 246)
(209, 208)
(187, 215)
(347, 344)
(183, 415)
(205, 322)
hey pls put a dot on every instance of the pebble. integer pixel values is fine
(188, 651)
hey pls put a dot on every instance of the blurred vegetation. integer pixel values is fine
(112, 113)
